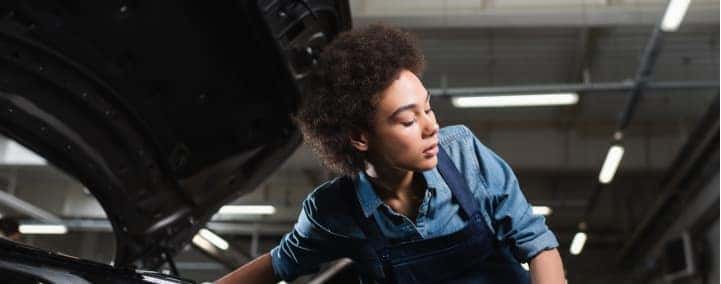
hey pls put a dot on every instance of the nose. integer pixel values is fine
(430, 127)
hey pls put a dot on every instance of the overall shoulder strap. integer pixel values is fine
(455, 180)
(368, 225)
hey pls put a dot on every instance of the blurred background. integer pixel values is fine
(623, 163)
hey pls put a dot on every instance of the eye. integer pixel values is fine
(409, 123)
(429, 110)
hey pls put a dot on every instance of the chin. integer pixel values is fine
(428, 164)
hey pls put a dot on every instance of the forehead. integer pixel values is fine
(406, 89)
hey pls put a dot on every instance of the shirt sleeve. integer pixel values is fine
(511, 214)
(306, 247)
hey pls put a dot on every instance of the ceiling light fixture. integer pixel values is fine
(16, 154)
(248, 209)
(541, 210)
(213, 239)
(610, 165)
(675, 11)
(525, 266)
(577, 244)
(43, 229)
(516, 100)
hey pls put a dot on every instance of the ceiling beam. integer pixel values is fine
(495, 14)
(582, 59)
(26, 208)
(683, 181)
(224, 228)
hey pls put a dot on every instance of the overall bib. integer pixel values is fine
(467, 256)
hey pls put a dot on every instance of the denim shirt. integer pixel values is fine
(325, 229)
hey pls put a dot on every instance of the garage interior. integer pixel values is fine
(655, 93)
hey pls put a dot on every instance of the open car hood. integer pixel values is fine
(164, 110)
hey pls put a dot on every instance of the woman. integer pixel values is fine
(413, 203)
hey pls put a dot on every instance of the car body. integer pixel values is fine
(24, 264)
(164, 110)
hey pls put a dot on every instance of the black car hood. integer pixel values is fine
(25, 264)
(164, 110)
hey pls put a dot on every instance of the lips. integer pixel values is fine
(432, 150)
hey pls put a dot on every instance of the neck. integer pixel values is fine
(394, 183)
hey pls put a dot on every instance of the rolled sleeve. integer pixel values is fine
(530, 249)
(283, 266)
(512, 216)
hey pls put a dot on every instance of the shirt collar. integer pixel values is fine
(368, 198)
(433, 178)
(370, 201)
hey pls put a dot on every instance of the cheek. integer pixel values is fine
(404, 143)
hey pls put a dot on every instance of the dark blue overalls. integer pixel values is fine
(468, 256)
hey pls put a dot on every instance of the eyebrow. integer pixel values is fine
(408, 106)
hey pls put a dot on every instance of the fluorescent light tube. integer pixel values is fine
(675, 11)
(525, 266)
(247, 209)
(577, 244)
(516, 100)
(16, 154)
(202, 243)
(541, 210)
(43, 229)
(613, 159)
(213, 239)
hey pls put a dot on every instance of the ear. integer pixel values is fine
(359, 140)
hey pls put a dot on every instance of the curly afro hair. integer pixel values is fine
(343, 90)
